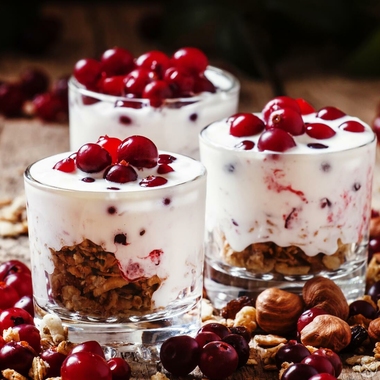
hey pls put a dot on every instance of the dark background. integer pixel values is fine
(258, 37)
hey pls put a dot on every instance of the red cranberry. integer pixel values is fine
(218, 360)
(164, 169)
(120, 173)
(14, 316)
(8, 296)
(319, 131)
(306, 108)
(307, 316)
(120, 369)
(30, 334)
(276, 140)
(21, 282)
(245, 124)
(112, 85)
(153, 181)
(216, 328)
(49, 107)
(205, 337)
(136, 81)
(180, 354)
(330, 113)
(291, 352)
(34, 81)
(87, 71)
(202, 84)
(66, 165)
(116, 61)
(191, 59)
(362, 307)
(278, 103)
(85, 365)
(154, 60)
(139, 151)
(157, 92)
(245, 145)
(12, 266)
(55, 360)
(111, 145)
(92, 158)
(89, 346)
(333, 357)
(180, 82)
(352, 126)
(299, 371)
(11, 99)
(25, 303)
(241, 347)
(320, 363)
(18, 356)
(287, 119)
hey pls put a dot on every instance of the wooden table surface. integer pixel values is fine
(22, 140)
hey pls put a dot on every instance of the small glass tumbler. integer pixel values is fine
(276, 219)
(174, 126)
(118, 263)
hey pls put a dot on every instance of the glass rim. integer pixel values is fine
(74, 85)
(28, 177)
(210, 143)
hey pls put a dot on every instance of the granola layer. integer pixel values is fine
(88, 280)
(289, 261)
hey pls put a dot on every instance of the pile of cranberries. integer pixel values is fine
(153, 75)
(33, 94)
(216, 349)
(119, 160)
(282, 119)
(84, 361)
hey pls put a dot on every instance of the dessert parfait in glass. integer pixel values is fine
(116, 233)
(169, 99)
(288, 197)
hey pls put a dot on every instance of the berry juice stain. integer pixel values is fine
(155, 256)
(120, 239)
(166, 201)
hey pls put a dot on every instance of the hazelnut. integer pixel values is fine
(277, 311)
(326, 294)
(374, 330)
(327, 331)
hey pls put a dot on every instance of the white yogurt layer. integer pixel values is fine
(168, 220)
(172, 128)
(310, 198)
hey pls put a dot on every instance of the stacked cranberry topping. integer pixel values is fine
(282, 119)
(119, 161)
(152, 75)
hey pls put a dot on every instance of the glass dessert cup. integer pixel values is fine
(174, 126)
(118, 265)
(286, 217)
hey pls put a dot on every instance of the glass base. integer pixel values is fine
(134, 341)
(224, 283)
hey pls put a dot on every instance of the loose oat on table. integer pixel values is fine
(87, 280)
(39, 369)
(13, 221)
(11, 374)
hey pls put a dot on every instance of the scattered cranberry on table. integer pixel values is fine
(33, 94)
